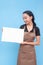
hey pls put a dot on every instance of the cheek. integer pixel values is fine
(28, 19)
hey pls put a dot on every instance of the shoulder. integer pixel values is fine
(37, 31)
(37, 28)
(22, 26)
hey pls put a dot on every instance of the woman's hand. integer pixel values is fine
(37, 42)
(24, 42)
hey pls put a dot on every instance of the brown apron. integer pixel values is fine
(26, 54)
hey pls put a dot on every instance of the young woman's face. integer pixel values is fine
(27, 19)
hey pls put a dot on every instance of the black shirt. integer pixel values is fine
(37, 31)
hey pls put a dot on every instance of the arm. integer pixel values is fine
(37, 42)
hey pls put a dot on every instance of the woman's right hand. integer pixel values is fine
(23, 42)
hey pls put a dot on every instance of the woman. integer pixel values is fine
(27, 54)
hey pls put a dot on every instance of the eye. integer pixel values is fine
(24, 17)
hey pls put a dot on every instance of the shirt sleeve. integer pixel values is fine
(21, 27)
(37, 31)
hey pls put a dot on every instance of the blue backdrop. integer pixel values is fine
(11, 16)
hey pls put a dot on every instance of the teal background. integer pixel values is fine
(11, 16)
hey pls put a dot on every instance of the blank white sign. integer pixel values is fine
(12, 35)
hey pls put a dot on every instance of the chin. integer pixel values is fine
(27, 23)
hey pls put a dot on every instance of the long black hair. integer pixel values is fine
(30, 14)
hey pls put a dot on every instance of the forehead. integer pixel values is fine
(25, 15)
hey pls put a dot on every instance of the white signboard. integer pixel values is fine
(12, 35)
